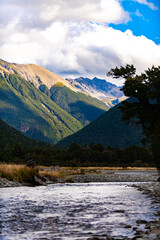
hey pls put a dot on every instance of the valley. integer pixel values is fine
(79, 120)
(42, 105)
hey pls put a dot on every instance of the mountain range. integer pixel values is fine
(42, 105)
(100, 89)
(46, 107)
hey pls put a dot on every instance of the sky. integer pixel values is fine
(86, 38)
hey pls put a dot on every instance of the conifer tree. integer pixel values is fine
(145, 107)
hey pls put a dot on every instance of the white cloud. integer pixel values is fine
(67, 41)
(101, 11)
(149, 4)
(88, 49)
(39, 13)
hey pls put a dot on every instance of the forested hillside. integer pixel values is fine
(82, 107)
(30, 111)
(109, 130)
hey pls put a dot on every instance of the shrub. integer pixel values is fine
(19, 173)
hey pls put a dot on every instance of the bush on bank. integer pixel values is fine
(18, 173)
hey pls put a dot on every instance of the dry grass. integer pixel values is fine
(21, 173)
(62, 173)
(18, 173)
(51, 173)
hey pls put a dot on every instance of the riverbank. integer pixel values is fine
(19, 175)
(145, 180)
(152, 228)
(140, 175)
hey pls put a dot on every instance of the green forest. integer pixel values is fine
(19, 149)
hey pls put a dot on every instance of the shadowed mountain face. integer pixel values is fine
(42, 113)
(108, 130)
(10, 136)
(99, 88)
(88, 116)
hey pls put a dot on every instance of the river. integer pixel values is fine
(73, 211)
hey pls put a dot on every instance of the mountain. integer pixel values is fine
(99, 88)
(27, 109)
(109, 130)
(39, 112)
(34, 74)
(10, 136)
(82, 107)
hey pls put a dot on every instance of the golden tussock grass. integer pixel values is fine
(18, 173)
(62, 173)
(51, 173)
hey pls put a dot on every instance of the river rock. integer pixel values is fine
(6, 183)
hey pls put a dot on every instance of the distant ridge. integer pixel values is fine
(100, 89)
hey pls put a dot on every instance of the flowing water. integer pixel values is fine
(72, 211)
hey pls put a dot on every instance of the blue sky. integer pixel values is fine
(144, 20)
(85, 38)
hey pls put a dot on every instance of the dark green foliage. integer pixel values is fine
(109, 130)
(145, 88)
(141, 114)
(123, 72)
(43, 88)
(82, 107)
(155, 146)
(146, 110)
(9, 136)
(99, 156)
(16, 148)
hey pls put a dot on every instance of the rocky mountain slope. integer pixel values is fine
(34, 74)
(99, 88)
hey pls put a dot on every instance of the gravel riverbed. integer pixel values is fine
(4, 183)
(152, 190)
(117, 176)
